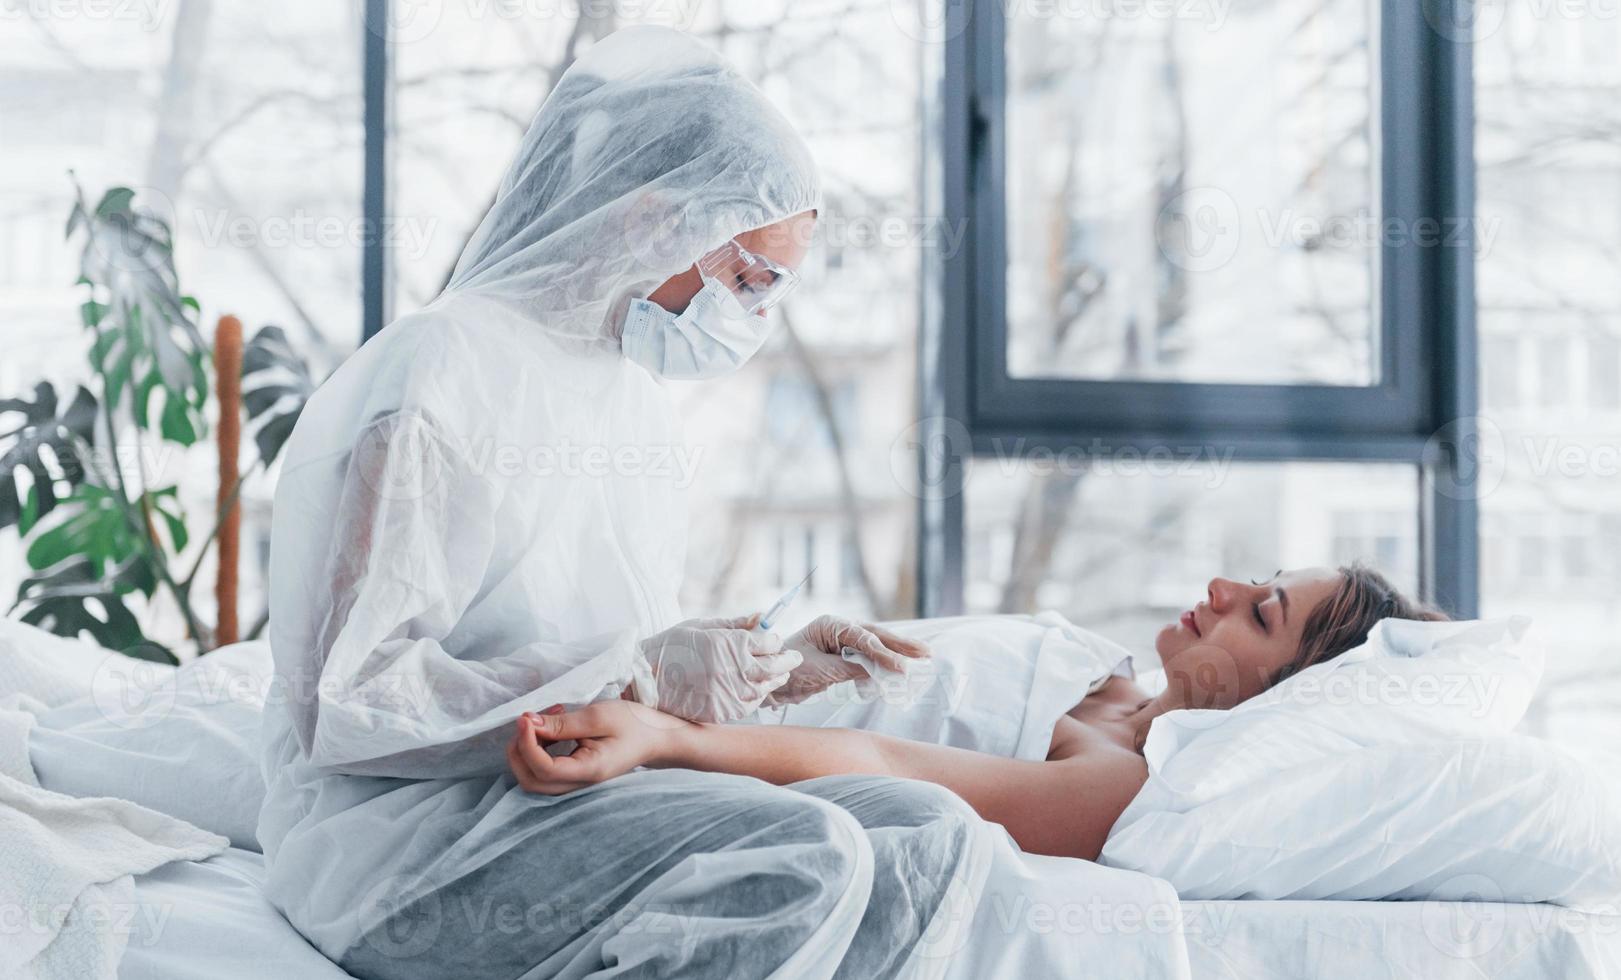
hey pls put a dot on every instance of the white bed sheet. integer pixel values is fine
(1287, 940)
(1038, 917)
(207, 920)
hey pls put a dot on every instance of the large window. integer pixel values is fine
(239, 124)
(1193, 197)
(1549, 109)
(1222, 239)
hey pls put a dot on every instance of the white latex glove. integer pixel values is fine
(715, 670)
(819, 644)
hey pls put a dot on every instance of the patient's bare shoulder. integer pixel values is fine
(1098, 783)
(1097, 769)
(1068, 806)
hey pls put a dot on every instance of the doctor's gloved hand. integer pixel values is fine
(820, 643)
(716, 670)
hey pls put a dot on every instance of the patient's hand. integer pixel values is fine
(820, 642)
(612, 738)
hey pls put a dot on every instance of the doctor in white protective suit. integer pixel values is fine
(477, 518)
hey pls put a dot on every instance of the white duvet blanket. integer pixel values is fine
(998, 685)
(66, 891)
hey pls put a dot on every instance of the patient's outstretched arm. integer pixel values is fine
(1062, 807)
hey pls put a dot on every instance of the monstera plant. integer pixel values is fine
(103, 534)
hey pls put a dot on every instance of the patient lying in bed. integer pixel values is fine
(1057, 780)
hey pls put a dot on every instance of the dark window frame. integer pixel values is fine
(376, 100)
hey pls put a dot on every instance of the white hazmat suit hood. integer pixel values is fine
(480, 513)
(651, 152)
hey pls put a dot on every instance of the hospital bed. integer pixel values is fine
(1398, 940)
(211, 919)
(216, 923)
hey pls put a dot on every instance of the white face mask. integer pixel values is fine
(711, 338)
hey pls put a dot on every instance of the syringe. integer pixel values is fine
(781, 605)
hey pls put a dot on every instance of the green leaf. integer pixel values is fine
(74, 598)
(44, 433)
(55, 546)
(117, 200)
(271, 436)
(76, 217)
(276, 384)
(91, 313)
(166, 503)
(30, 513)
(177, 529)
(199, 398)
(94, 529)
(261, 400)
(155, 652)
(147, 329)
(140, 405)
(103, 347)
(176, 422)
(115, 628)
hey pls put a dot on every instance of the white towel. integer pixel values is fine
(67, 865)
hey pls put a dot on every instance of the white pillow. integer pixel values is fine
(54, 669)
(1289, 794)
(1467, 676)
(185, 743)
(1504, 818)
(1410, 681)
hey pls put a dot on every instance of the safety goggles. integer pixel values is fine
(756, 282)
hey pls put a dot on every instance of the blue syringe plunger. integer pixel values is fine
(781, 605)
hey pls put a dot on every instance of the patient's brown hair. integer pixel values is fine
(1342, 621)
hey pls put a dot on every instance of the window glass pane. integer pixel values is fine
(1190, 194)
(1123, 545)
(237, 124)
(1500, 360)
(1604, 372)
(467, 80)
(792, 454)
(1550, 197)
(1555, 372)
